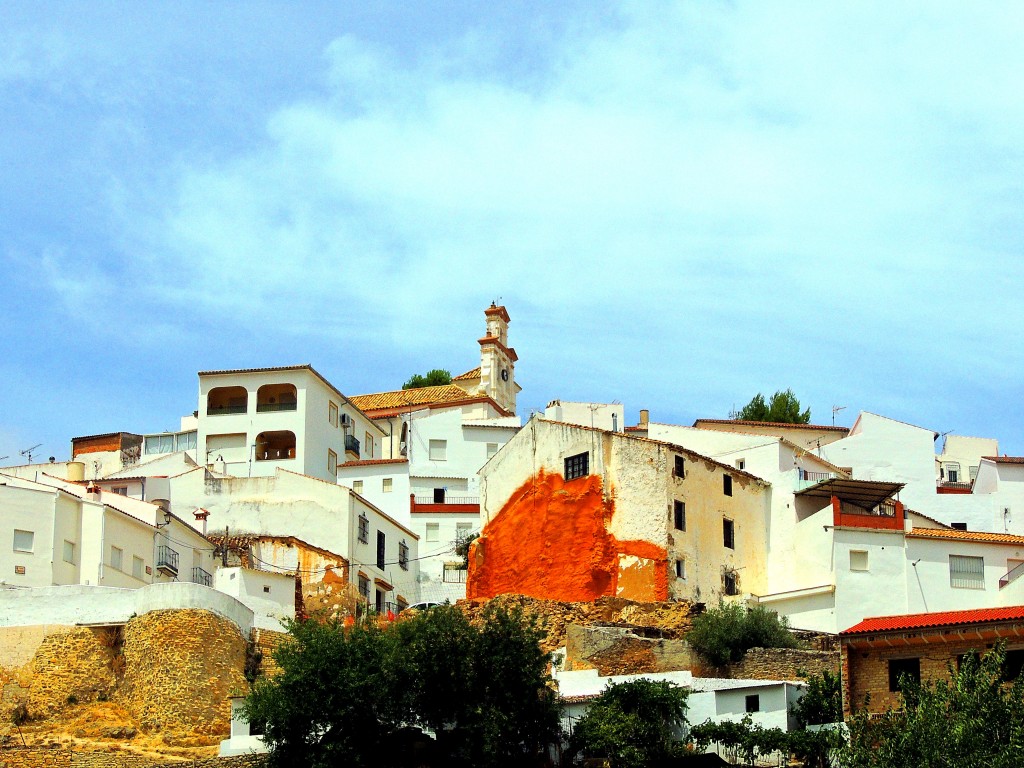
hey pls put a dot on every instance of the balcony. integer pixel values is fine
(225, 400)
(166, 561)
(1012, 575)
(352, 446)
(805, 479)
(276, 397)
(952, 486)
(446, 503)
(454, 573)
(199, 576)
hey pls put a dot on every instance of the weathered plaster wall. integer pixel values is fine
(552, 540)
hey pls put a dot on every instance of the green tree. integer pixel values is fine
(434, 378)
(345, 695)
(723, 634)
(633, 723)
(781, 408)
(971, 719)
(822, 701)
(335, 701)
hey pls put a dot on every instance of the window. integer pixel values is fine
(858, 560)
(160, 443)
(332, 462)
(116, 558)
(577, 466)
(742, 464)
(680, 468)
(492, 448)
(727, 485)
(439, 495)
(753, 703)
(381, 544)
(728, 534)
(379, 601)
(364, 587)
(24, 541)
(909, 668)
(332, 414)
(364, 529)
(120, 490)
(386, 485)
(357, 486)
(137, 566)
(266, 589)
(438, 450)
(730, 585)
(1013, 664)
(681, 569)
(679, 515)
(952, 469)
(966, 572)
(958, 526)
(69, 552)
(433, 531)
(368, 445)
(403, 556)
(463, 531)
(186, 441)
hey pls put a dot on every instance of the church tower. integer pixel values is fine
(497, 360)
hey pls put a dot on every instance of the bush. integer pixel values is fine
(633, 723)
(722, 635)
(822, 701)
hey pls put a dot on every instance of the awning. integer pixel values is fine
(864, 493)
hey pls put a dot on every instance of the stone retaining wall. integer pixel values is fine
(41, 757)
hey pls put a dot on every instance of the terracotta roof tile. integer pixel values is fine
(406, 397)
(1005, 459)
(957, 535)
(473, 374)
(941, 619)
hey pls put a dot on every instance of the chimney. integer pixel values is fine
(645, 417)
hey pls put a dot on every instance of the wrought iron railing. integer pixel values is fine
(218, 410)
(352, 444)
(1012, 575)
(200, 576)
(167, 558)
(269, 407)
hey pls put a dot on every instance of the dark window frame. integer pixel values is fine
(679, 515)
(364, 529)
(727, 484)
(909, 667)
(577, 465)
(679, 470)
(382, 542)
(753, 702)
(728, 533)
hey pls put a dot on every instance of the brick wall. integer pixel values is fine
(180, 668)
(866, 671)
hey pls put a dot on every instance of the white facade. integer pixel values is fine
(610, 417)
(270, 596)
(324, 514)
(61, 533)
(255, 421)
(879, 448)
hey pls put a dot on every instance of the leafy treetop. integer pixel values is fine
(722, 635)
(434, 378)
(782, 408)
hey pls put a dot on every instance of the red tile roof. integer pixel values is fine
(957, 535)
(941, 619)
(473, 374)
(406, 397)
(1005, 459)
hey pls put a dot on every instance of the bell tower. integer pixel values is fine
(497, 360)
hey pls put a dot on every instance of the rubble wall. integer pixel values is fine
(72, 667)
(45, 757)
(785, 664)
(180, 668)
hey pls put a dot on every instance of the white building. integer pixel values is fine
(63, 533)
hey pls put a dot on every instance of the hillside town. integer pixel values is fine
(153, 575)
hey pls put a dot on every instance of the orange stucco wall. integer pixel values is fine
(551, 541)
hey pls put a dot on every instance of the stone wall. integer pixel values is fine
(625, 651)
(180, 668)
(73, 667)
(784, 664)
(264, 643)
(39, 757)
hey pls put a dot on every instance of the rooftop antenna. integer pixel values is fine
(836, 409)
(28, 452)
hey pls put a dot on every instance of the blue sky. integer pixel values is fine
(680, 204)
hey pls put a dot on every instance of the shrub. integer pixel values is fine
(722, 635)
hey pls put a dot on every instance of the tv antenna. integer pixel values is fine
(836, 409)
(28, 452)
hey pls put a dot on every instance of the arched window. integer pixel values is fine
(223, 400)
(276, 397)
(275, 446)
